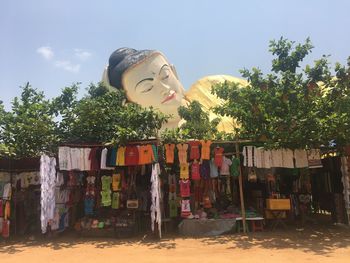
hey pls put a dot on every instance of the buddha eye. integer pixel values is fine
(164, 72)
(147, 89)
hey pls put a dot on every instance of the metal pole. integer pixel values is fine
(241, 191)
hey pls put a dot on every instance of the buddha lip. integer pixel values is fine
(169, 97)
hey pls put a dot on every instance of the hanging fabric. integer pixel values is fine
(156, 196)
(48, 184)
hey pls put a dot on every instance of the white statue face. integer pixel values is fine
(153, 82)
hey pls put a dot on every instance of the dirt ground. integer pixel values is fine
(330, 244)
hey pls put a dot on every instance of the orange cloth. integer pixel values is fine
(7, 210)
(182, 149)
(146, 155)
(205, 149)
(184, 171)
(218, 154)
(120, 160)
(169, 152)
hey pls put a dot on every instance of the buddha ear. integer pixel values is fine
(174, 70)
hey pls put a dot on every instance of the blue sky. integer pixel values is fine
(52, 44)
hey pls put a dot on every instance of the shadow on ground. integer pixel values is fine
(317, 240)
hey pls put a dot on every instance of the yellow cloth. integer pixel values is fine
(184, 171)
(201, 91)
(120, 160)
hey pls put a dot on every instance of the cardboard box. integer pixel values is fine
(278, 204)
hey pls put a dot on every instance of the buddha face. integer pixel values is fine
(153, 82)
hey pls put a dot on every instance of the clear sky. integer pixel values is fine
(52, 44)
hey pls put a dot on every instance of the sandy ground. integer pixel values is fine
(316, 245)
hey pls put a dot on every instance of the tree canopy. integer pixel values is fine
(36, 124)
(290, 107)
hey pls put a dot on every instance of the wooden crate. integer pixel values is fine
(278, 204)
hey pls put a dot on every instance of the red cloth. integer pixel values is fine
(95, 157)
(131, 155)
(185, 188)
(218, 156)
(194, 153)
(195, 175)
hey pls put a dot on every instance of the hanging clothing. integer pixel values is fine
(314, 158)
(173, 208)
(169, 152)
(146, 155)
(48, 184)
(185, 188)
(214, 173)
(106, 182)
(195, 175)
(76, 160)
(94, 159)
(115, 200)
(184, 171)
(89, 204)
(276, 158)
(120, 160)
(172, 186)
(103, 165)
(7, 192)
(249, 156)
(106, 198)
(225, 168)
(116, 182)
(155, 152)
(156, 216)
(185, 208)
(64, 158)
(262, 158)
(205, 169)
(300, 157)
(205, 149)
(131, 155)
(182, 152)
(113, 157)
(218, 154)
(287, 158)
(86, 159)
(235, 166)
(194, 150)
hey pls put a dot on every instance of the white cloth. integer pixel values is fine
(104, 160)
(276, 158)
(262, 158)
(156, 216)
(300, 157)
(76, 159)
(48, 184)
(7, 192)
(64, 158)
(249, 156)
(314, 158)
(225, 168)
(87, 161)
(287, 158)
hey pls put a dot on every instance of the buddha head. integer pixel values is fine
(147, 78)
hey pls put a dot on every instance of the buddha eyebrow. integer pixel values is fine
(142, 81)
(162, 68)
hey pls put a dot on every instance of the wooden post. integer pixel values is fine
(241, 191)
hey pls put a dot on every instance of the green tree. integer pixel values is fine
(197, 124)
(103, 116)
(288, 107)
(29, 128)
